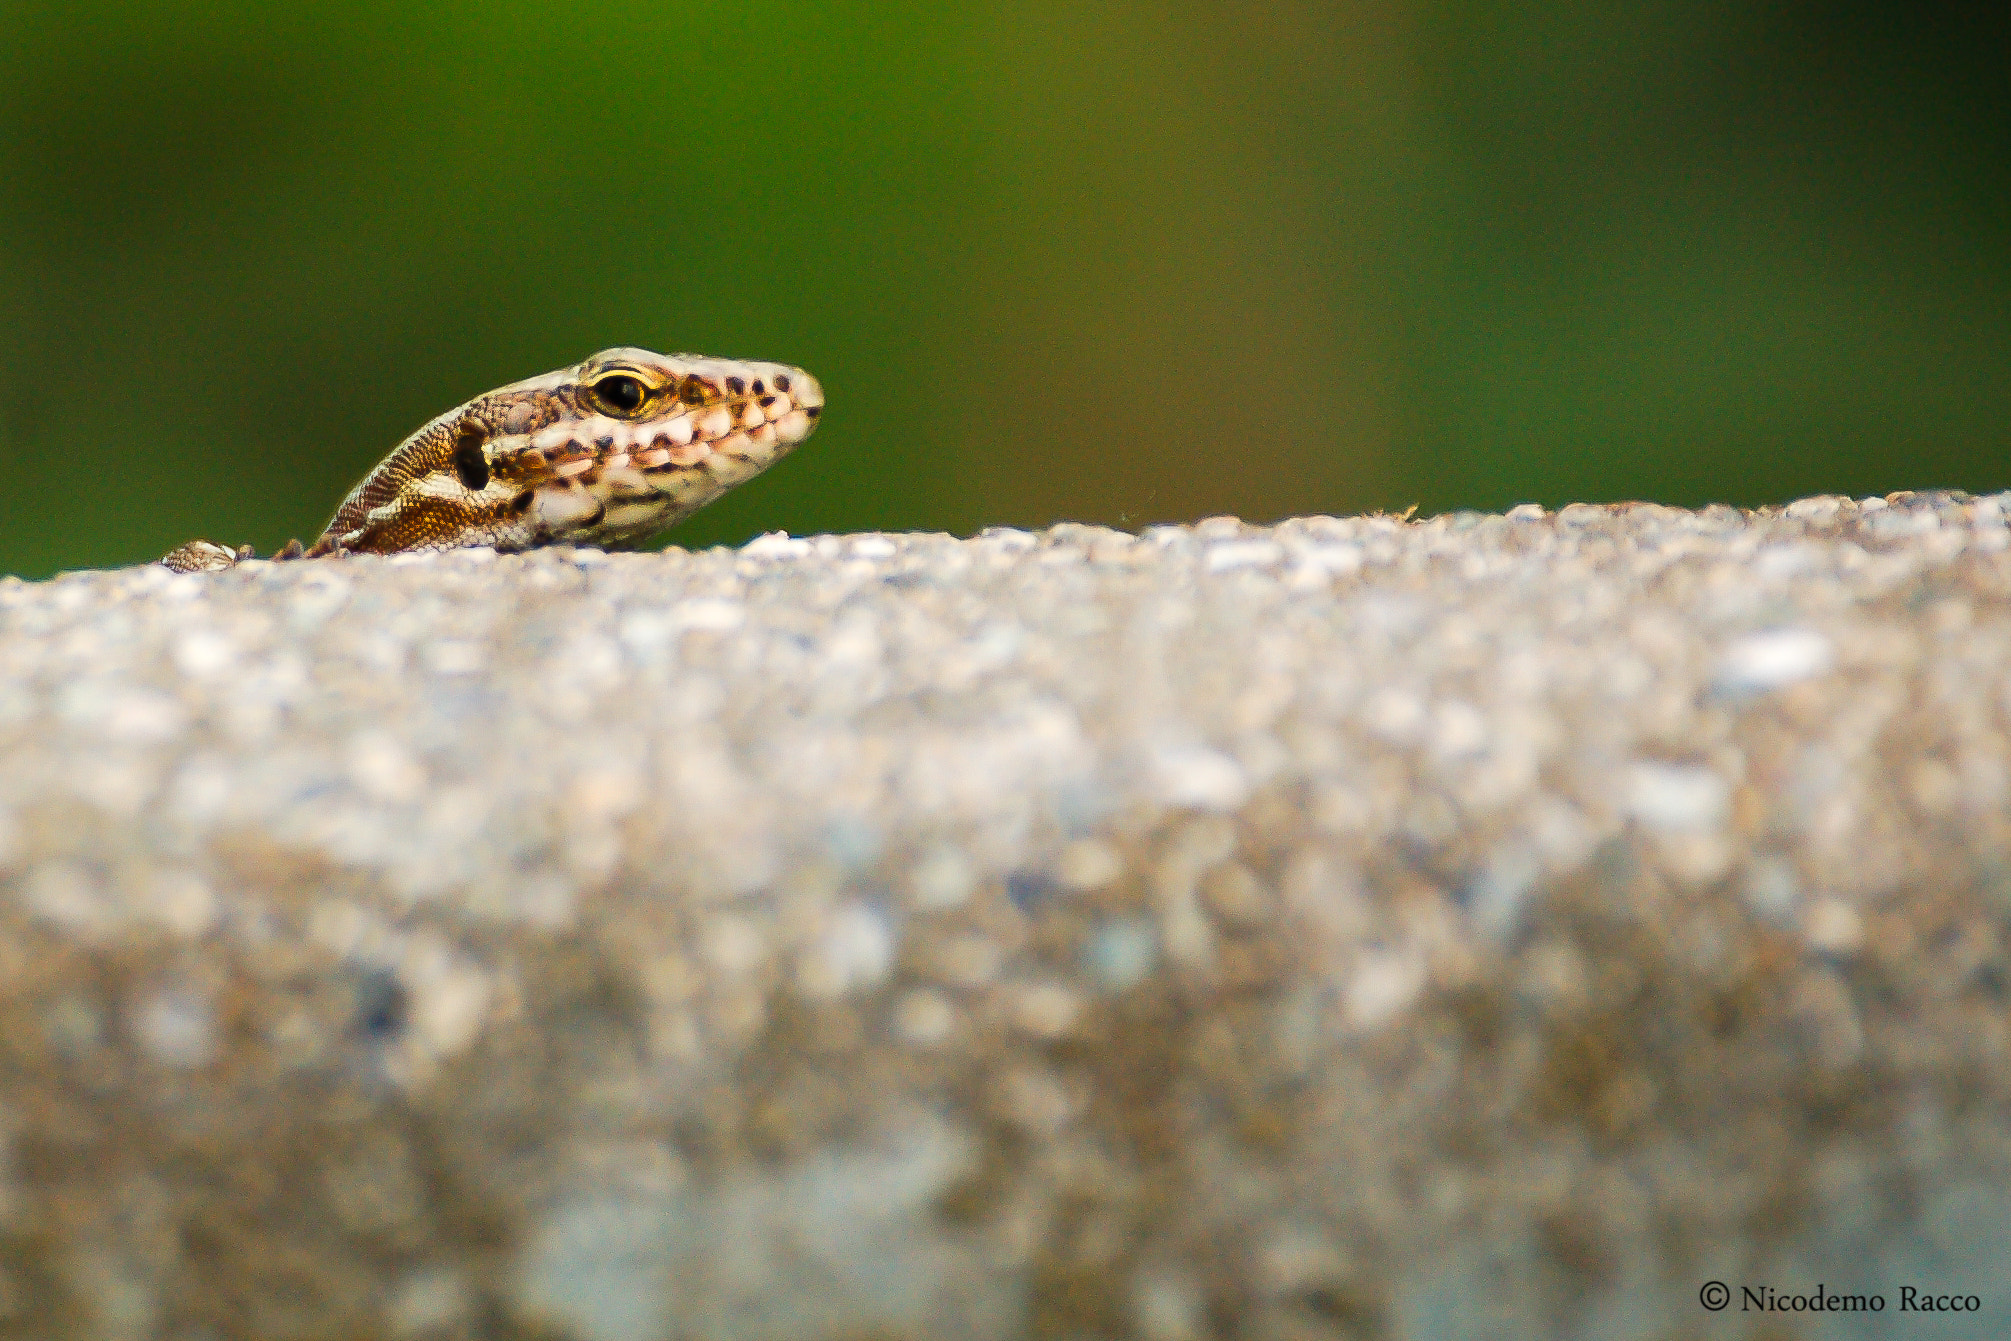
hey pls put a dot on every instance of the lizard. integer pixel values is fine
(605, 452)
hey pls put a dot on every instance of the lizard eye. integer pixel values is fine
(621, 393)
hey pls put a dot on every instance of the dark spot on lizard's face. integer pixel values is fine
(760, 386)
(812, 411)
(470, 462)
(522, 502)
(766, 401)
(694, 392)
(736, 385)
(782, 382)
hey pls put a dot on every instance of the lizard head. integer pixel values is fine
(605, 452)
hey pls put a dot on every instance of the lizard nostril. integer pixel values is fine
(470, 462)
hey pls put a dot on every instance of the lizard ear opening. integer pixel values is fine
(470, 462)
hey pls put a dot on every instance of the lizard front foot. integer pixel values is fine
(206, 556)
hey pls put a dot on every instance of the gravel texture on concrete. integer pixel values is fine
(1486, 926)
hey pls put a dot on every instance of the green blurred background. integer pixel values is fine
(1124, 263)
